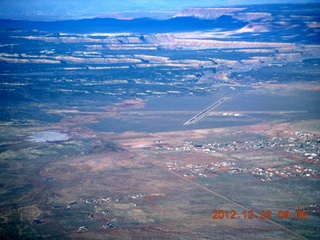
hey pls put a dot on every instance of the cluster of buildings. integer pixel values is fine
(96, 201)
(270, 174)
(140, 195)
(218, 168)
(204, 169)
(305, 145)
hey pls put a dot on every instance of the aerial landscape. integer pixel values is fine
(200, 121)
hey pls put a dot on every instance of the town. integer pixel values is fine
(304, 145)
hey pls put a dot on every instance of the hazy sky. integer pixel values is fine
(69, 9)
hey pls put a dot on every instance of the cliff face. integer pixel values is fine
(270, 23)
(239, 14)
(169, 41)
(207, 13)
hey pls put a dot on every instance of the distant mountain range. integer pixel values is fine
(140, 25)
(282, 22)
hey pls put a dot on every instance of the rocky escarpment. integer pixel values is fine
(207, 13)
